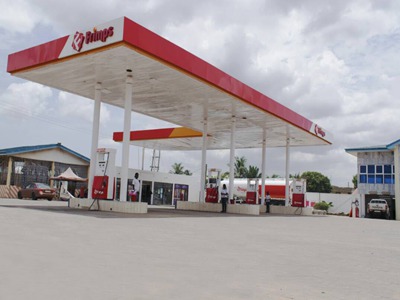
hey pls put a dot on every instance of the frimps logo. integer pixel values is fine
(319, 131)
(77, 43)
(91, 37)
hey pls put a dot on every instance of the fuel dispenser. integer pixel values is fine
(251, 192)
(297, 192)
(213, 183)
(104, 175)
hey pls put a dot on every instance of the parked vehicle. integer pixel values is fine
(37, 191)
(378, 206)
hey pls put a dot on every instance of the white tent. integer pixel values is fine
(69, 175)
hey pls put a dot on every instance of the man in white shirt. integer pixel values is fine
(136, 186)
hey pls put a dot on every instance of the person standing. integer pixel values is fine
(224, 198)
(136, 186)
(267, 201)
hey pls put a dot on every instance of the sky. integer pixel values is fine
(334, 62)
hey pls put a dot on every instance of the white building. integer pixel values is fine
(376, 175)
(163, 188)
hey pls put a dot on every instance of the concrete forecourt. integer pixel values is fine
(50, 251)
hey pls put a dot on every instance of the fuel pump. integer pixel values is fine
(251, 192)
(297, 192)
(104, 176)
(213, 183)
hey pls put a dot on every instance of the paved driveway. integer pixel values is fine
(49, 251)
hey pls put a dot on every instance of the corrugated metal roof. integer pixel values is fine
(26, 149)
(387, 147)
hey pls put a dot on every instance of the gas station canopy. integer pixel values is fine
(169, 84)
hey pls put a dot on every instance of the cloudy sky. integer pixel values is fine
(334, 62)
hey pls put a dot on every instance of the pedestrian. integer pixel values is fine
(224, 198)
(136, 186)
(267, 201)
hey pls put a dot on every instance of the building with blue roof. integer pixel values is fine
(377, 176)
(22, 165)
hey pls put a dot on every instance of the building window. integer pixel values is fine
(379, 179)
(363, 178)
(388, 169)
(371, 169)
(363, 169)
(371, 179)
(388, 179)
(379, 169)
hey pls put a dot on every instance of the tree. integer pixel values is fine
(240, 167)
(355, 181)
(225, 175)
(275, 176)
(177, 168)
(253, 172)
(316, 182)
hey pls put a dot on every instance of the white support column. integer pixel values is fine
(287, 171)
(9, 171)
(95, 136)
(397, 180)
(232, 158)
(203, 161)
(126, 138)
(263, 175)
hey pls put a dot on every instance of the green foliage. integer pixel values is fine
(275, 176)
(323, 205)
(240, 167)
(316, 182)
(225, 175)
(253, 172)
(296, 176)
(355, 181)
(177, 168)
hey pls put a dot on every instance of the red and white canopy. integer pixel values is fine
(169, 83)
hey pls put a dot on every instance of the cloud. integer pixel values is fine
(19, 16)
(25, 99)
(73, 106)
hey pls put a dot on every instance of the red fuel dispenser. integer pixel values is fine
(104, 178)
(252, 191)
(213, 183)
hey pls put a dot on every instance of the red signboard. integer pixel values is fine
(251, 197)
(298, 200)
(212, 195)
(100, 187)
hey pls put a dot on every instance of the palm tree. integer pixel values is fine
(177, 168)
(253, 172)
(240, 167)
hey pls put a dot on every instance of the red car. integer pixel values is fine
(37, 191)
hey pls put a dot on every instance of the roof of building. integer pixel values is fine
(26, 149)
(379, 148)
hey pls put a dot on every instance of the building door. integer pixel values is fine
(162, 193)
(146, 192)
